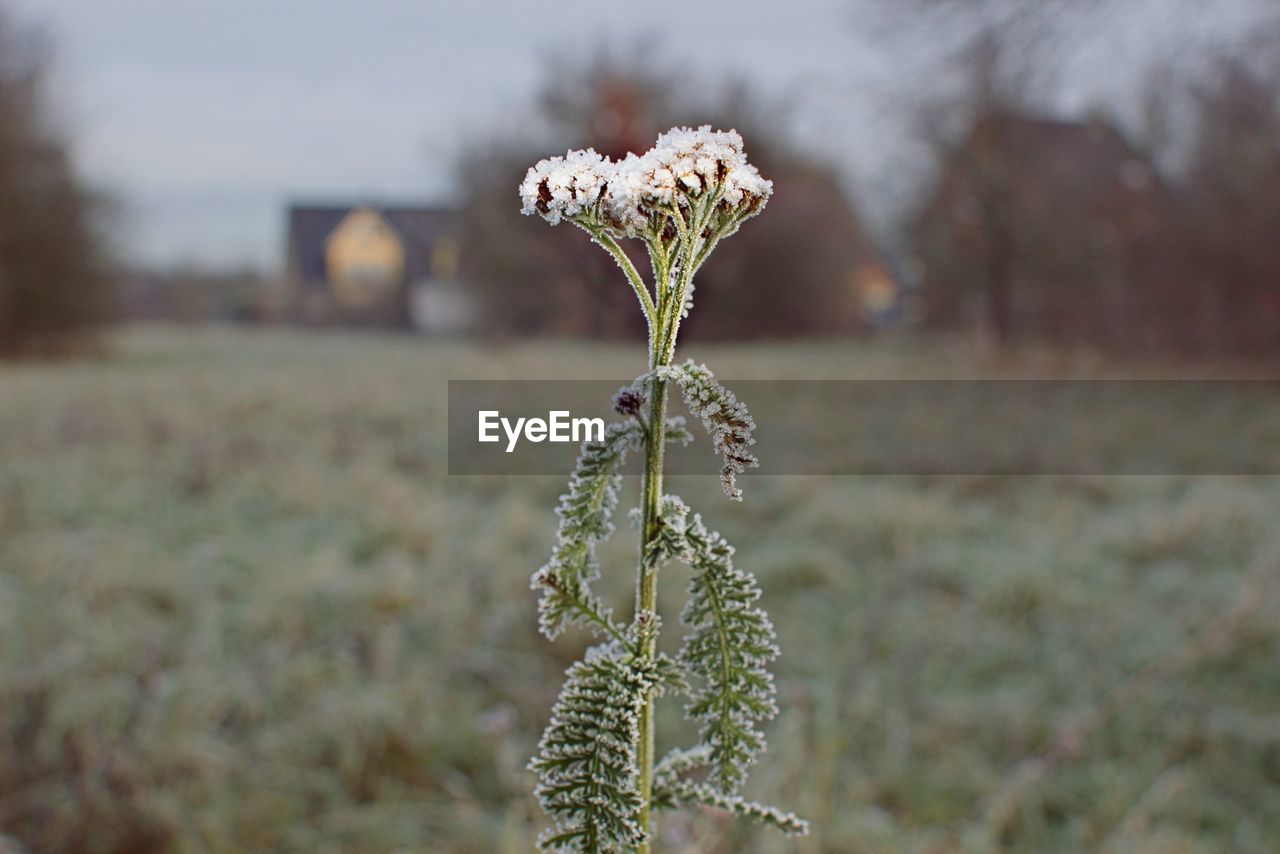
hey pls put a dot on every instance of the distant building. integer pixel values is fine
(376, 266)
(1042, 226)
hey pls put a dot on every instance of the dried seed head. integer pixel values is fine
(628, 401)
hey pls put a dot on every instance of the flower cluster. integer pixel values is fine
(566, 186)
(638, 195)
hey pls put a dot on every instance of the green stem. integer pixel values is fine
(674, 307)
(647, 587)
(662, 347)
(651, 496)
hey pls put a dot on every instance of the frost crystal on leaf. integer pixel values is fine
(586, 518)
(586, 761)
(683, 793)
(668, 770)
(729, 647)
(671, 792)
(725, 418)
(671, 540)
(677, 432)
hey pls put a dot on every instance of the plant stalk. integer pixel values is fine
(650, 501)
(662, 346)
(647, 586)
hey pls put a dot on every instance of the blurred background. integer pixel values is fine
(243, 606)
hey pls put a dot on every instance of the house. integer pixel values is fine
(372, 265)
(1043, 226)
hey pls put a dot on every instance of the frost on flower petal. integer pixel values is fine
(636, 196)
(704, 159)
(559, 187)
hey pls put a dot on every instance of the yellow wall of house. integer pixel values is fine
(364, 259)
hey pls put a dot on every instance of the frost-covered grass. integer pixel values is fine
(242, 608)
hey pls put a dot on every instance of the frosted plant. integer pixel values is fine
(598, 779)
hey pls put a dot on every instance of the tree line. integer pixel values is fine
(54, 262)
(1155, 234)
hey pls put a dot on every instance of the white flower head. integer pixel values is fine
(634, 196)
(687, 164)
(704, 160)
(632, 193)
(565, 186)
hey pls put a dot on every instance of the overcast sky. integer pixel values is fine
(206, 119)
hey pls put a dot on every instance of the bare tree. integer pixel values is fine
(53, 284)
(1232, 211)
(1072, 228)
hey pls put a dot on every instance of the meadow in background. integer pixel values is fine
(245, 607)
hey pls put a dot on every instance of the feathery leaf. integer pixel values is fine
(682, 793)
(586, 519)
(676, 762)
(670, 541)
(586, 760)
(725, 418)
(730, 644)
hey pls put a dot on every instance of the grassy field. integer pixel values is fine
(243, 607)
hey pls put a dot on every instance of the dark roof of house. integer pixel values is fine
(420, 227)
(1093, 153)
(1054, 158)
